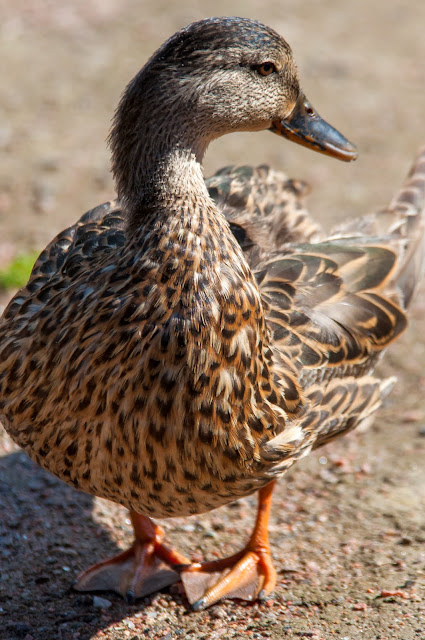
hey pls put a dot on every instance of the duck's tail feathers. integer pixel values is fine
(410, 198)
(401, 227)
(408, 205)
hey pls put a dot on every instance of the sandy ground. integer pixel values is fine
(348, 524)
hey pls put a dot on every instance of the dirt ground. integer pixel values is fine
(348, 524)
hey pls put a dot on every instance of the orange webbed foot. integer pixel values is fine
(146, 567)
(247, 575)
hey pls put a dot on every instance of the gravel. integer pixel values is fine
(348, 525)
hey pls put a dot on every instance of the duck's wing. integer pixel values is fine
(333, 307)
(264, 208)
(97, 232)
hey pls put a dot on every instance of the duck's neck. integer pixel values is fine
(157, 153)
(157, 164)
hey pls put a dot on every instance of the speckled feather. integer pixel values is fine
(119, 433)
(154, 361)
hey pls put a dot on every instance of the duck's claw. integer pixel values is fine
(247, 575)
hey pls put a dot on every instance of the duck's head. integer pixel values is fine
(214, 77)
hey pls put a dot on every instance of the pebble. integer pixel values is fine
(101, 603)
(218, 612)
(152, 614)
(129, 624)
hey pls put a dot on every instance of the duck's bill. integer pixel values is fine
(305, 126)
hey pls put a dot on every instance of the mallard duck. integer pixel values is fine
(184, 345)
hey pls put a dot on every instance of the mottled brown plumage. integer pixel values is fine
(183, 346)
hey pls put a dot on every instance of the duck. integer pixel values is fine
(184, 345)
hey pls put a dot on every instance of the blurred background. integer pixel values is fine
(346, 525)
(65, 64)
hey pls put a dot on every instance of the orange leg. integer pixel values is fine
(144, 568)
(248, 575)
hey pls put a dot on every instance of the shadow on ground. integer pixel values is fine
(48, 536)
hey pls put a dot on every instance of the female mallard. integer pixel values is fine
(151, 362)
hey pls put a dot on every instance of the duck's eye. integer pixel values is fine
(266, 68)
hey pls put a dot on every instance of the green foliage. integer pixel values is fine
(17, 272)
